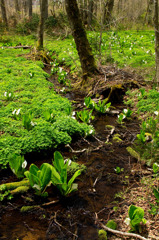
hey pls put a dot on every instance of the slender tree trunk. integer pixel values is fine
(17, 7)
(25, 7)
(4, 14)
(149, 12)
(30, 8)
(156, 42)
(108, 12)
(90, 12)
(40, 44)
(83, 47)
(85, 14)
(46, 12)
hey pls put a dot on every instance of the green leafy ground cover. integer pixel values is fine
(25, 96)
(124, 48)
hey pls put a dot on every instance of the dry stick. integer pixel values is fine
(121, 233)
(63, 226)
(78, 151)
(50, 203)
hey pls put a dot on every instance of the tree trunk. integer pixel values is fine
(85, 11)
(46, 12)
(17, 8)
(83, 47)
(90, 12)
(30, 8)
(149, 12)
(25, 7)
(108, 12)
(4, 14)
(41, 25)
(156, 42)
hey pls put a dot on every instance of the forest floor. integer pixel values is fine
(104, 193)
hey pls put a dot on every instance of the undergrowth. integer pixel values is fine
(25, 97)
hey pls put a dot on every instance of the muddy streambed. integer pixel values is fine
(75, 215)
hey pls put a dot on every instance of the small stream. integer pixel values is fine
(74, 217)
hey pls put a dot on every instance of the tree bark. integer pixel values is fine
(41, 25)
(25, 7)
(30, 8)
(4, 14)
(90, 12)
(17, 7)
(156, 42)
(46, 12)
(108, 12)
(83, 47)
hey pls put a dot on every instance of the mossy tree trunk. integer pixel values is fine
(156, 42)
(4, 14)
(40, 44)
(83, 47)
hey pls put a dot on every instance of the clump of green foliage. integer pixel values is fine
(28, 25)
(147, 141)
(124, 115)
(33, 116)
(136, 218)
(40, 178)
(102, 235)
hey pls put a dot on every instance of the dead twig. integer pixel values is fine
(74, 151)
(111, 133)
(116, 232)
(63, 226)
(50, 203)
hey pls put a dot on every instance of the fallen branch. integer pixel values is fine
(75, 235)
(21, 189)
(50, 203)
(17, 47)
(13, 185)
(116, 232)
(74, 151)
